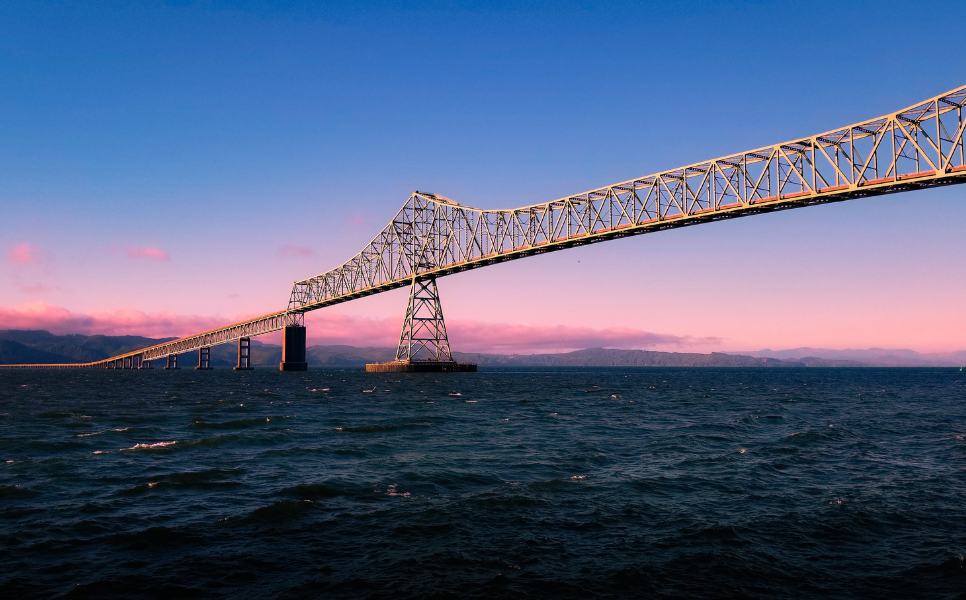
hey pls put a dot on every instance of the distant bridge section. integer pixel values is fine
(432, 236)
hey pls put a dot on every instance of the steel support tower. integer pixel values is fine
(423, 343)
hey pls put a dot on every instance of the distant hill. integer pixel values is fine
(877, 357)
(13, 353)
(38, 347)
(605, 357)
(70, 348)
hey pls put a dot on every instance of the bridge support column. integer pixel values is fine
(244, 355)
(172, 362)
(204, 359)
(127, 362)
(293, 349)
(423, 343)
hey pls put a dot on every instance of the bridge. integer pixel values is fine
(432, 236)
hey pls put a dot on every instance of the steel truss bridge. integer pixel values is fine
(432, 236)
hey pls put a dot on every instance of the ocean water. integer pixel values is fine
(663, 483)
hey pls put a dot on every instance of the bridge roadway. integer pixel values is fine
(431, 236)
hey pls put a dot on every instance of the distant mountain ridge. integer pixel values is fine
(878, 357)
(67, 348)
(39, 347)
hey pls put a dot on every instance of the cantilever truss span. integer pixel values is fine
(432, 236)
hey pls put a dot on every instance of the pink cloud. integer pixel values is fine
(356, 220)
(507, 338)
(60, 321)
(474, 336)
(335, 328)
(24, 254)
(289, 251)
(146, 252)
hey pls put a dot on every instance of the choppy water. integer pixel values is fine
(546, 483)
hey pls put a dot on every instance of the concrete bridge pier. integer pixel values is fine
(293, 349)
(244, 355)
(172, 362)
(204, 359)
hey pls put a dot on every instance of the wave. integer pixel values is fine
(154, 537)
(60, 414)
(155, 446)
(17, 491)
(381, 428)
(282, 510)
(100, 432)
(203, 480)
(209, 441)
(237, 423)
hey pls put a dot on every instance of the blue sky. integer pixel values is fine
(256, 143)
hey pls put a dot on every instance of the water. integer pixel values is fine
(542, 483)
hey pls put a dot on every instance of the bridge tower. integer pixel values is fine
(423, 343)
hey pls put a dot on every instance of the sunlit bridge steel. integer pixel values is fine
(432, 236)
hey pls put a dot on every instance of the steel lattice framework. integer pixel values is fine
(432, 236)
(423, 336)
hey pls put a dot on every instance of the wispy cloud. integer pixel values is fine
(24, 254)
(36, 288)
(289, 251)
(148, 252)
(356, 220)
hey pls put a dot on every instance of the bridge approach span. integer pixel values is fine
(431, 236)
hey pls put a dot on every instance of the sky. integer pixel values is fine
(169, 167)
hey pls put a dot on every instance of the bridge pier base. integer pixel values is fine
(204, 359)
(172, 362)
(244, 355)
(293, 349)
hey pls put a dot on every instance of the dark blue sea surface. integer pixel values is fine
(664, 483)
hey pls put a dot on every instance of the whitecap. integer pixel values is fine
(149, 446)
